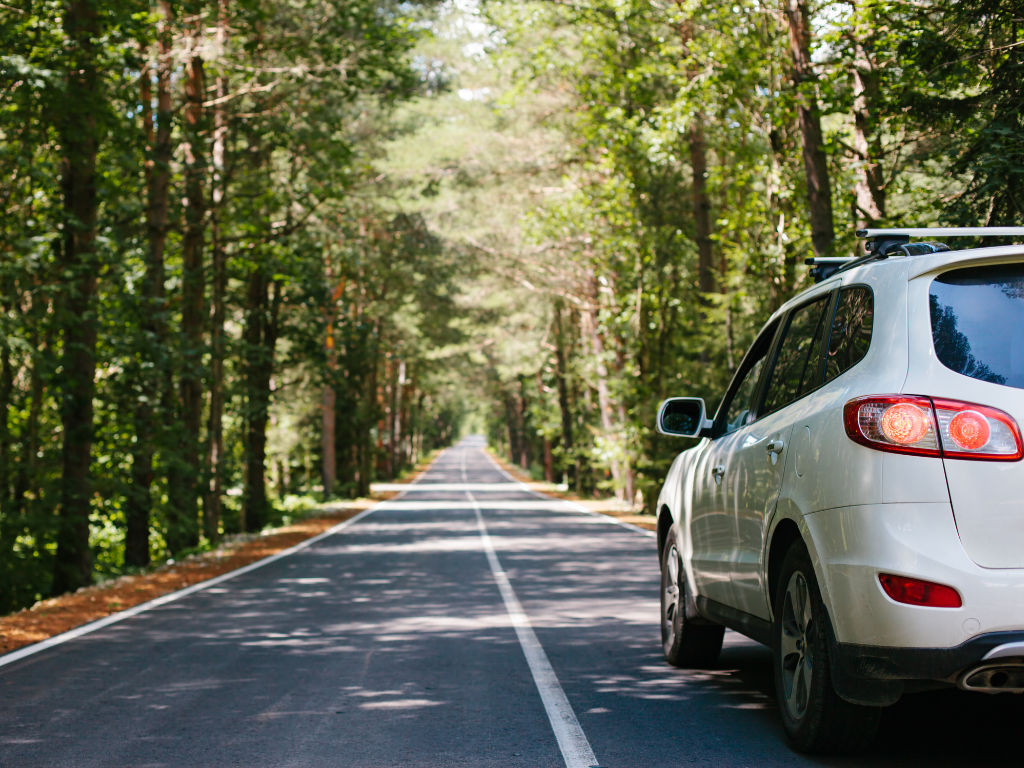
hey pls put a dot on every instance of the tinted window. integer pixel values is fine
(851, 331)
(739, 411)
(797, 368)
(978, 322)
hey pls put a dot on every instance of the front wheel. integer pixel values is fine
(686, 639)
(816, 719)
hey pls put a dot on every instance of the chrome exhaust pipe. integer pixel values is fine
(1001, 677)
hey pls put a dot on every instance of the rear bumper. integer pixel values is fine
(945, 664)
(852, 545)
(878, 646)
(877, 676)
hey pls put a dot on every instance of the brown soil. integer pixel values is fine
(610, 507)
(60, 614)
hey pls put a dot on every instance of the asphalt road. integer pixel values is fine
(451, 627)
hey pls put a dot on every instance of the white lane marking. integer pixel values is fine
(432, 487)
(576, 507)
(549, 504)
(572, 742)
(170, 597)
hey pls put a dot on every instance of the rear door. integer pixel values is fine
(967, 344)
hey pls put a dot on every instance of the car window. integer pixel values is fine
(741, 409)
(977, 318)
(739, 406)
(851, 331)
(797, 368)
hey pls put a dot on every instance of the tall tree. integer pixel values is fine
(819, 188)
(80, 130)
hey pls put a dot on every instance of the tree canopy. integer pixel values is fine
(255, 251)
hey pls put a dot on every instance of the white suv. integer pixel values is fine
(857, 502)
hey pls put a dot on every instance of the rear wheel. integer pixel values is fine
(815, 718)
(687, 639)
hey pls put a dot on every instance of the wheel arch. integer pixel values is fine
(665, 522)
(783, 536)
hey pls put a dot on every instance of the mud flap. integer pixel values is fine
(869, 692)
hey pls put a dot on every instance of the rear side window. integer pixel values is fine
(798, 364)
(977, 318)
(851, 331)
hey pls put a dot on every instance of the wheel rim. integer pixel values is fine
(671, 594)
(797, 645)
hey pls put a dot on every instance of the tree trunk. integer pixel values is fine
(327, 414)
(521, 416)
(563, 392)
(261, 335)
(870, 183)
(183, 532)
(701, 209)
(215, 426)
(396, 423)
(819, 188)
(79, 142)
(603, 396)
(153, 303)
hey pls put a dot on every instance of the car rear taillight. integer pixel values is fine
(924, 426)
(918, 592)
(893, 423)
(970, 431)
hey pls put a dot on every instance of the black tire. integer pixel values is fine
(688, 640)
(816, 720)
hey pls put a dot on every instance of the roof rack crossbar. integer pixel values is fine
(943, 232)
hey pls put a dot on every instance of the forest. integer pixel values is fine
(257, 254)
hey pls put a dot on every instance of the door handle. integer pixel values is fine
(774, 446)
(717, 473)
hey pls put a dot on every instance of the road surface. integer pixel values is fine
(473, 623)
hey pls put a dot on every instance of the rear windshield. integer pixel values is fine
(978, 322)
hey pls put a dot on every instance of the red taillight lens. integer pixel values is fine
(925, 426)
(905, 423)
(918, 592)
(899, 423)
(971, 431)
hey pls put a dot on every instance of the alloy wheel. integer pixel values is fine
(671, 597)
(798, 636)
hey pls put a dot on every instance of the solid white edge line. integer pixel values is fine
(575, 506)
(572, 742)
(170, 597)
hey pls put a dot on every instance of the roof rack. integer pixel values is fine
(882, 243)
(944, 232)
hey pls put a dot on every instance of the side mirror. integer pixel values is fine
(683, 417)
